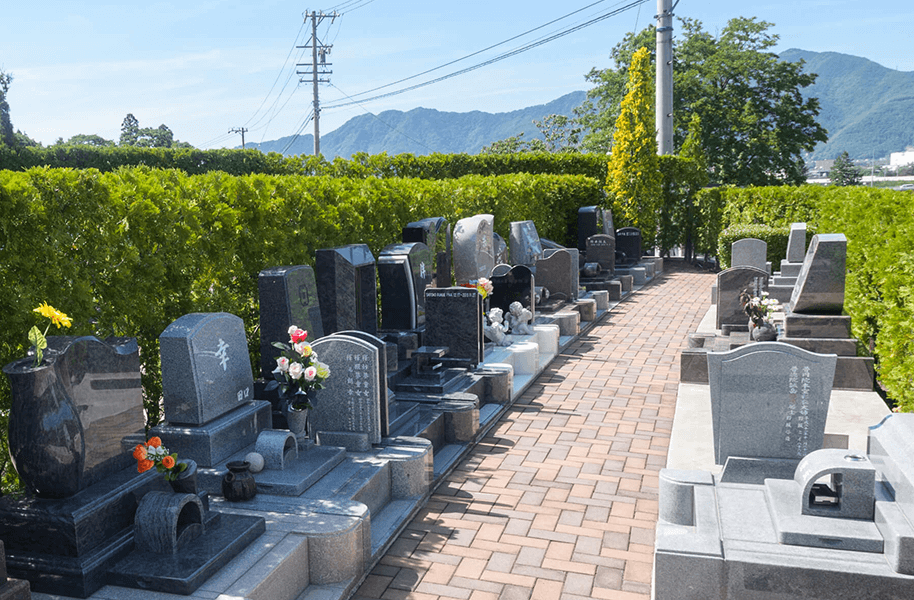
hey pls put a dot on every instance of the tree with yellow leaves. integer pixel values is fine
(634, 181)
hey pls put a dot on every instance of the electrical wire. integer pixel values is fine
(298, 132)
(493, 46)
(278, 75)
(392, 128)
(490, 61)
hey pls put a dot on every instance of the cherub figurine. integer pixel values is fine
(496, 330)
(520, 319)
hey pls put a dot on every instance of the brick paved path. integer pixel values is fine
(559, 500)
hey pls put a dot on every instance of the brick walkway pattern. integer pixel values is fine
(559, 500)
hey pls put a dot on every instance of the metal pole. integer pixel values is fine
(317, 109)
(664, 100)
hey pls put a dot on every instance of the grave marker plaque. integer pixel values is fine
(347, 288)
(454, 319)
(288, 296)
(749, 252)
(796, 243)
(206, 369)
(769, 400)
(593, 220)
(350, 403)
(730, 284)
(820, 286)
(601, 249)
(558, 273)
(435, 233)
(628, 241)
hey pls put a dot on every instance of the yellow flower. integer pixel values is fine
(58, 318)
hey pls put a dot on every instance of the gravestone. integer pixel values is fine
(347, 288)
(404, 271)
(796, 243)
(730, 284)
(384, 396)
(601, 249)
(288, 296)
(820, 285)
(628, 241)
(500, 248)
(474, 249)
(593, 220)
(454, 320)
(525, 246)
(500, 270)
(769, 400)
(347, 412)
(514, 286)
(206, 369)
(434, 232)
(749, 252)
(558, 273)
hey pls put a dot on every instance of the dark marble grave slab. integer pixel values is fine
(514, 286)
(225, 536)
(628, 241)
(558, 273)
(288, 296)
(601, 249)
(730, 284)
(404, 271)
(347, 288)
(455, 320)
(593, 220)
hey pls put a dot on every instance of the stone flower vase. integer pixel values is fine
(186, 482)
(766, 332)
(238, 484)
(298, 420)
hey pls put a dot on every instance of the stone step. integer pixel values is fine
(839, 346)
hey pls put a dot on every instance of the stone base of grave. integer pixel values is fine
(639, 275)
(15, 589)
(781, 293)
(225, 537)
(66, 546)
(297, 475)
(613, 287)
(214, 442)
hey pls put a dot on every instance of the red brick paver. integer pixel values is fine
(559, 500)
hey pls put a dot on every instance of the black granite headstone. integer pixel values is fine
(628, 242)
(435, 233)
(590, 222)
(404, 271)
(347, 288)
(601, 249)
(454, 319)
(288, 296)
(514, 286)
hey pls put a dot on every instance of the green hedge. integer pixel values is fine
(879, 291)
(774, 237)
(249, 162)
(128, 252)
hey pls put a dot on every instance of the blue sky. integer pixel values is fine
(204, 67)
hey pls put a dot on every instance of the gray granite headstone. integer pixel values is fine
(601, 249)
(382, 373)
(558, 273)
(404, 271)
(628, 241)
(749, 252)
(347, 288)
(730, 284)
(348, 409)
(500, 248)
(288, 296)
(454, 319)
(769, 400)
(474, 248)
(206, 368)
(609, 227)
(525, 246)
(796, 243)
(820, 286)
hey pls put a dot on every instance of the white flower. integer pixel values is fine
(293, 329)
(282, 364)
(296, 370)
(303, 348)
(310, 373)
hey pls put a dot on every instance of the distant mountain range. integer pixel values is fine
(867, 109)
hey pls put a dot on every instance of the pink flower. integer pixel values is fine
(282, 363)
(295, 370)
(310, 373)
(297, 335)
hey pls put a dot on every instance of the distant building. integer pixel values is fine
(900, 159)
(820, 169)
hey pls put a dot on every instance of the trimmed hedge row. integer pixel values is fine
(775, 238)
(127, 252)
(879, 291)
(245, 162)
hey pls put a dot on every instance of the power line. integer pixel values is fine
(297, 133)
(278, 75)
(392, 128)
(501, 43)
(498, 58)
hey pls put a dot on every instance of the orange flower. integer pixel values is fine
(144, 465)
(168, 462)
(154, 442)
(139, 452)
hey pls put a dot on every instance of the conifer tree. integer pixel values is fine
(634, 180)
(844, 172)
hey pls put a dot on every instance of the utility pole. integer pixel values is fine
(664, 100)
(240, 130)
(319, 64)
